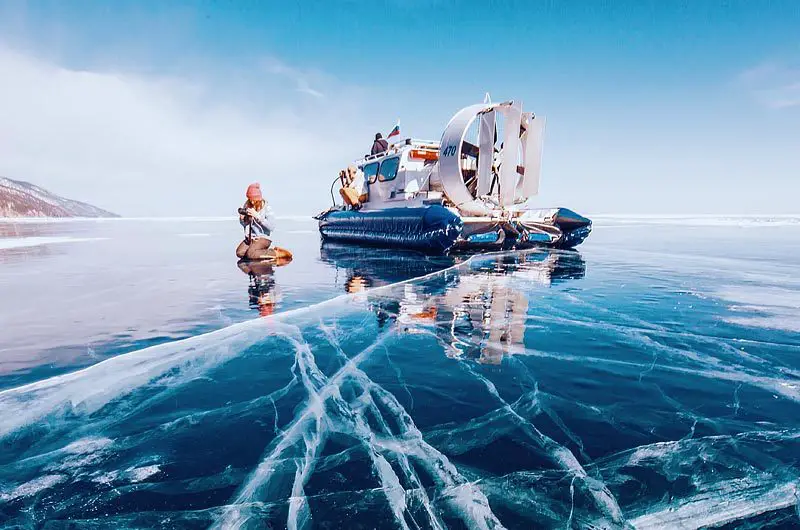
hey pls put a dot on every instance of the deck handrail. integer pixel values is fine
(395, 148)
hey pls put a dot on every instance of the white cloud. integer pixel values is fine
(759, 72)
(774, 84)
(150, 145)
(301, 78)
(784, 96)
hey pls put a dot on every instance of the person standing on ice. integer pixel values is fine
(258, 221)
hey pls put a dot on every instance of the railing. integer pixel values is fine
(396, 148)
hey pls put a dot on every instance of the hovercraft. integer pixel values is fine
(471, 190)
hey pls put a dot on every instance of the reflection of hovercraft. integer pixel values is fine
(357, 283)
(552, 266)
(485, 314)
(569, 265)
(543, 265)
(373, 267)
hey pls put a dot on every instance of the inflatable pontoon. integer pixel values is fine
(468, 191)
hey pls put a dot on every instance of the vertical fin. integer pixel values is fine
(532, 156)
(509, 156)
(486, 139)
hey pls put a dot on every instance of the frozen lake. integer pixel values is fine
(649, 380)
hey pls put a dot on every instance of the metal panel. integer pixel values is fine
(486, 140)
(450, 154)
(532, 153)
(509, 155)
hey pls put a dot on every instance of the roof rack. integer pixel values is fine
(396, 147)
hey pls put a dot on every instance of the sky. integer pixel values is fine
(153, 108)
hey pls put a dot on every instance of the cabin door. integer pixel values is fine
(386, 180)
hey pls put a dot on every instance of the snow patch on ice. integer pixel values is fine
(741, 221)
(22, 242)
(33, 487)
(87, 445)
(721, 504)
(763, 306)
(139, 474)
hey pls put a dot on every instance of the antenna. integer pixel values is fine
(487, 98)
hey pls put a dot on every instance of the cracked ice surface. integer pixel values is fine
(508, 391)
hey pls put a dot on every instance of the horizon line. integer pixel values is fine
(311, 216)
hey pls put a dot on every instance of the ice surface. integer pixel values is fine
(615, 388)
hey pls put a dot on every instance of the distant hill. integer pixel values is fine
(23, 199)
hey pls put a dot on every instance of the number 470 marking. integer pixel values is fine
(449, 150)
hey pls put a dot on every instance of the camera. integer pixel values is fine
(243, 211)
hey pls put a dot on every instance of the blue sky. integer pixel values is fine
(652, 107)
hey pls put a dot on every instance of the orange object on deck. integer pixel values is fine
(424, 154)
(350, 196)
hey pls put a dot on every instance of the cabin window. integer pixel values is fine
(371, 172)
(389, 169)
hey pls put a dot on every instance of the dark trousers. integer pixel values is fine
(257, 249)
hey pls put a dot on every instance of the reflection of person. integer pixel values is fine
(258, 223)
(261, 289)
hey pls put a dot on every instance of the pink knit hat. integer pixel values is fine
(254, 192)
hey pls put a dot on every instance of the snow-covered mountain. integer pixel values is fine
(23, 199)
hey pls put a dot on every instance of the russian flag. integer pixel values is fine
(395, 131)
